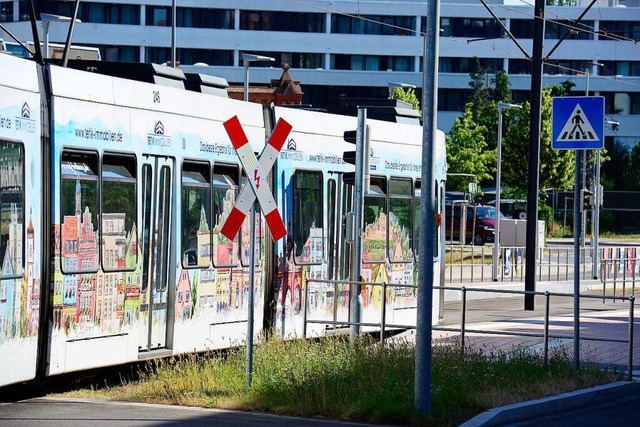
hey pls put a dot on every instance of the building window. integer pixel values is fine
(634, 103)
(372, 63)
(620, 68)
(294, 59)
(119, 53)
(190, 17)
(468, 65)
(297, 22)
(119, 212)
(522, 28)
(11, 208)
(577, 31)
(619, 30)
(308, 209)
(373, 24)
(98, 13)
(467, 27)
(452, 99)
(161, 55)
(6, 11)
(519, 66)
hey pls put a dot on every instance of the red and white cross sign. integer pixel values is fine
(257, 177)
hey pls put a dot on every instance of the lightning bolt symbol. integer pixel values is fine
(256, 178)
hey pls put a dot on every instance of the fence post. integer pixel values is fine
(630, 368)
(335, 305)
(464, 316)
(547, 296)
(384, 311)
(304, 312)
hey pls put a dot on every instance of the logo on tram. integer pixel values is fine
(24, 122)
(158, 137)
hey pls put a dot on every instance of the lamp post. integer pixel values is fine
(46, 19)
(595, 225)
(247, 59)
(587, 71)
(496, 239)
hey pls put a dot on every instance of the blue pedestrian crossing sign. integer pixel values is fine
(577, 123)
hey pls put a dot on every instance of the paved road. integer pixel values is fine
(502, 314)
(52, 412)
(620, 413)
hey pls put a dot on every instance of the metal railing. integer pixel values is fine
(619, 269)
(469, 263)
(546, 336)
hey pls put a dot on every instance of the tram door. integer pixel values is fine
(157, 180)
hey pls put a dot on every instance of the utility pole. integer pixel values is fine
(534, 155)
(422, 388)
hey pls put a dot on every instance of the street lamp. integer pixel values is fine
(587, 70)
(46, 19)
(496, 239)
(247, 59)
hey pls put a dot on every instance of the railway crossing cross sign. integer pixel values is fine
(256, 173)
(577, 123)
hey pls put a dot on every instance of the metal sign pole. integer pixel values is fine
(576, 264)
(356, 266)
(250, 314)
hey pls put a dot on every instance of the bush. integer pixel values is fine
(607, 222)
(545, 213)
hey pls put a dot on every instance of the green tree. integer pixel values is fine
(467, 150)
(614, 172)
(486, 93)
(408, 95)
(633, 175)
(557, 167)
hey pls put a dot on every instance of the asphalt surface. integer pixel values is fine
(55, 412)
(617, 404)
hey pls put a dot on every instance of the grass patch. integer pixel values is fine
(360, 381)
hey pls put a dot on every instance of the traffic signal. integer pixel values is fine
(352, 137)
(587, 198)
(350, 156)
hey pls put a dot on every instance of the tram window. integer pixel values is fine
(416, 217)
(374, 224)
(331, 210)
(79, 206)
(196, 214)
(225, 187)
(400, 220)
(118, 219)
(417, 220)
(245, 235)
(146, 224)
(11, 209)
(163, 232)
(308, 210)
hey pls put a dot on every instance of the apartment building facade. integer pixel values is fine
(340, 49)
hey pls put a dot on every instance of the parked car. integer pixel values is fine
(480, 223)
(512, 208)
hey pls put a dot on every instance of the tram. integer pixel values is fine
(113, 193)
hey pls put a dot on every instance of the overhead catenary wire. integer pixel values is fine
(508, 54)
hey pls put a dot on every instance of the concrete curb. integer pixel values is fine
(549, 405)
